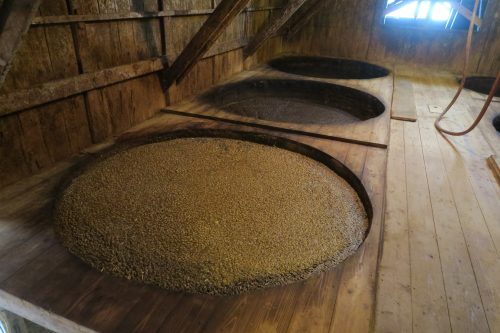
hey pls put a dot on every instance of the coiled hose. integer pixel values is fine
(462, 83)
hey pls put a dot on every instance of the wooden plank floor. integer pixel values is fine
(373, 132)
(440, 267)
(40, 280)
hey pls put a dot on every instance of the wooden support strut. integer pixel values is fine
(106, 17)
(55, 90)
(24, 99)
(225, 12)
(271, 30)
(15, 20)
(296, 24)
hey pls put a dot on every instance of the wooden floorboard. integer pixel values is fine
(451, 213)
(356, 299)
(403, 101)
(464, 302)
(429, 305)
(483, 254)
(311, 313)
(394, 303)
(321, 132)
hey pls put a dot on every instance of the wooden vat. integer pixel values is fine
(328, 68)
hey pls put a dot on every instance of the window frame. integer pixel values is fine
(478, 27)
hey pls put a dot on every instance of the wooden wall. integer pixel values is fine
(354, 29)
(78, 39)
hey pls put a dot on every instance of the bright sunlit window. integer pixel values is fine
(448, 15)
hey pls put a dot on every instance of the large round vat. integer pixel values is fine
(481, 84)
(295, 101)
(213, 211)
(328, 68)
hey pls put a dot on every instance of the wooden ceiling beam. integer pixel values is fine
(273, 27)
(15, 20)
(223, 14)
(301, 19)
(23, 99)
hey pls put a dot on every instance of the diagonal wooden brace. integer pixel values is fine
(224, 14)
(291, 8)
(15, 20)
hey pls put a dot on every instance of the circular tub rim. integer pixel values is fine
(371, 102)
(477, 78)
(259, 138)
(272, 64)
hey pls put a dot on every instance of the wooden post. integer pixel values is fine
(15, 20)
(225, 12)
(268, 32)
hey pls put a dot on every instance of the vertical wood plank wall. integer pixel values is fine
(354, 29)
(36, 138)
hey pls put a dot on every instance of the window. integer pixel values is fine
(439, 14)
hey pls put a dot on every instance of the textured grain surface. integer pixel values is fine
(210, 215)
(289, 110)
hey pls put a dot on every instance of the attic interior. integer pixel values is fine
(249, 166)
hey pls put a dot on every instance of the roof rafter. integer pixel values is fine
(15, 20)
(305, 14)
(223, 14)
(273, 27)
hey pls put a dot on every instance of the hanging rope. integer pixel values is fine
(462, 83)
